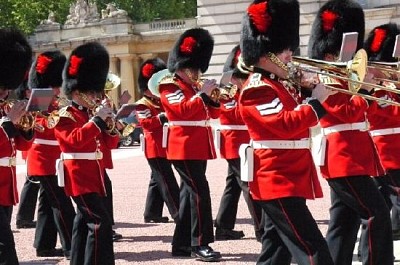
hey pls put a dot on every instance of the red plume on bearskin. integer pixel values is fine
(379, 37)
(188, 45)
(75, 62)
(42, 64)
(259, 16)
(328, 18)
(148, 70)
(380, 42)
(46, 70)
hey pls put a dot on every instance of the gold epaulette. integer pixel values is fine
(146, 102)
(255, 81)
(169, 80)
(63, 112)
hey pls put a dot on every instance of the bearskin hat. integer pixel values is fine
(147, 69)
(193, 50)
(269, 26)
(46, 70)
(380, 42)
(333, 19)
(15, 58)
(232, 61)
(86, 68)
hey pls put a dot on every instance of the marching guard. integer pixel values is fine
(15, 54)
(79, 131)
(281, 171)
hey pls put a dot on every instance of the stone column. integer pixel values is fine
(136, 67)
(127, 74)
(114, 68)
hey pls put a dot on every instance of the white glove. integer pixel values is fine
(208, 86)
(321, 93)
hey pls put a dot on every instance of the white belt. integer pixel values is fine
(45, 142)
(89, 156)
(232, 127)
(203, 123)
(282, 144)
(8, 161)
(384, 131)
(358, 126)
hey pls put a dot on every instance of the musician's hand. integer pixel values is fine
(17, 111)
(208, 86)
(104, 113)
(369, 78)
(321, 93)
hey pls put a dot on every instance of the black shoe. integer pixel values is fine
(54, 252)
(21, 224)
(181, 251)
(259, 235)
(396, 234)
(228, 234)
(116, 236)
(205, 253)
(162, 219)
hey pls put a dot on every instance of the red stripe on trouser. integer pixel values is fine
(61, 212)
(296, 233)
(369, 214)
(95, 230)
(197, 202)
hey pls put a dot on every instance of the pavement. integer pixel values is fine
(145, 243)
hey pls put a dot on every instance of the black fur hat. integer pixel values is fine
(269, 26)
(46, 70)
(147, 69)
(380, 43)
(86, 68)
(333, 19)
(231, 63)
(193, 50)
(15, 58)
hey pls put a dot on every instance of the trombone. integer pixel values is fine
(388, 70)
(353, 72)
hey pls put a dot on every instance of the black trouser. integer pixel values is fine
(356, 200)
(55, 214)
(194, 226)
(28, 199)
(394, 185)
(163, 187)
(228, 207)
(92, 242)
(108, 200)
(290, 230)
(8, 255)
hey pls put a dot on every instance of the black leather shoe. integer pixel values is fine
(227, 234)
(116, 236)
(162, 219)
(181, 251)
(205, 253)
(21, 224)
(54, 252)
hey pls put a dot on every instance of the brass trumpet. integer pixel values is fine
(27, 121)
(353, 72)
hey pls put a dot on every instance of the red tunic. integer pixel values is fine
(384, 116)
(147, 112)
(106, 148)
(231, 139)
(76, 134)
(272, 113)
(41, 158)
(350, 152)
(183, 103)
(8, 181)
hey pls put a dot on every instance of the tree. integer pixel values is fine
(27, 14)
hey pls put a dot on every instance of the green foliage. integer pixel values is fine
(27, 14)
